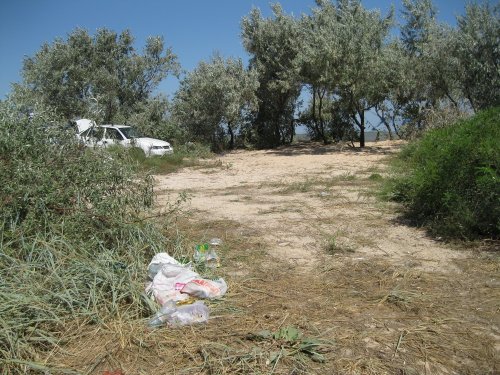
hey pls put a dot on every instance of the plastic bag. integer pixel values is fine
(158, 261)
(202, 288)
(176, 316)
(189, 314)
(161, 316)
(167, 284)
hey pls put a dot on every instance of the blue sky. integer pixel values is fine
(193, 28)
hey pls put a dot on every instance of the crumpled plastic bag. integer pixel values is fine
(202, 288)
(174, 282)
(169, 281)
(158, 261)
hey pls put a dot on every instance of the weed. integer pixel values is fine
(183, 156)
(333, 245)
(290, 342)
(375, 177)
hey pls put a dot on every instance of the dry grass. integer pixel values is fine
(366, 315)
(370, 317)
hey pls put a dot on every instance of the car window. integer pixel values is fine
(113, 134)
(131, 133)
(95, 133)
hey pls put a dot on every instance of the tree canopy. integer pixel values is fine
(326, 69)
(216, 96)
(78, 73)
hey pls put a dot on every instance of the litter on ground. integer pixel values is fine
(174, 285)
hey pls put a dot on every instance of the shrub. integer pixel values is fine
(449, 179)
(74, 241)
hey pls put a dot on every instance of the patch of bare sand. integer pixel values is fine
(301, 200)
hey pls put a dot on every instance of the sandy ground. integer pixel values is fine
(301, 199)
(307, 246)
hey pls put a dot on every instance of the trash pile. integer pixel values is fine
(176, 287)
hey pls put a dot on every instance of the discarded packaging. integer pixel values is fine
(215, 242)
(212, 260)
(189, 314)
(200, 252)
(169, 281)
(202, 288)
(176, 316)
(174, 285)
(204, 254)
(158, 261)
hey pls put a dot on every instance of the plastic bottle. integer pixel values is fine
(180, 315)
(189, 314)
(161, 316)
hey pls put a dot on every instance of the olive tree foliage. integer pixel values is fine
(420, 70)
(100, 76)
(214, 100)
(477, 50)
(153, 117)
(275, 45)
(320, 59)
(345, 61)
(444, 72)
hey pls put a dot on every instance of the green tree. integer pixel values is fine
(420, 17)
(275, 46)
(425, 68)
(72, 75)
(215, 97)
(477, 49)
(320, 65)
(153, 117)
(359, 73)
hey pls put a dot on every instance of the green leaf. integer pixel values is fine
(289, 334)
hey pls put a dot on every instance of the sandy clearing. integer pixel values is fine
(301, 199)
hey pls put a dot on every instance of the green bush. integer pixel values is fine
(74, 242)
(449, 179)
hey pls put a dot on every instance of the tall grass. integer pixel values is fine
(449, 180)
(74, 241)
(183, 156)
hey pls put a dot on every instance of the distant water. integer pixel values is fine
(370, 136)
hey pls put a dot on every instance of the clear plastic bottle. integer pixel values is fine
(161, 316)
(189, 314)
(180, 315)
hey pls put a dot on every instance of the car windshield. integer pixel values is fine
(130, 133)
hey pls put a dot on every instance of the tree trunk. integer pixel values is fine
(383, 119)
(362, 129)
(321, 121)
(231, 134)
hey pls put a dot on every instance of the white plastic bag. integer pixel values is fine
(189, 314)
(168, 282)
(158, 261)
(202, 288)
